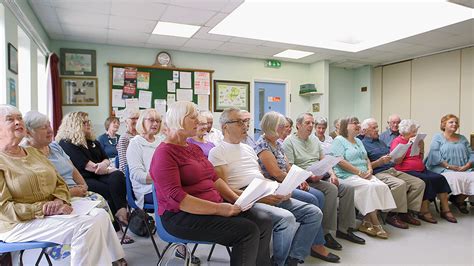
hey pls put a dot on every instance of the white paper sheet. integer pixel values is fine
(171, 86)
(117, 100)
(144, 99)
(170, 98)
(80, 207)
(319, 168)
(399, 151)
(119, 113)
(160, 106)
(143, 80)
(202, 83)
(256, 190)
(118, 76)
(415, 147)
(185, 80)
(175, 76)
(132, 104)
(293, 179)
(203, 102)
(184, 95)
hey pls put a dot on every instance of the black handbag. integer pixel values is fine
(139, 219)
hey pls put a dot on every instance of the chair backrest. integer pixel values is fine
(130, 195)
(117, 163)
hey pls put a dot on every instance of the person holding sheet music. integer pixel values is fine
(191, 196)
(275, 166)
(355, 170)
(303, 149)
(407, 190)
(450, 156)
(435, 184)
(295, 223)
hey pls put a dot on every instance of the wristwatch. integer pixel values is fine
(447, 167)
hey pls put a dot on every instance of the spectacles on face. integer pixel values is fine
(354, 122)
(133, 118)
(239, 122)
(152, 120)
(246, 121)
(86, 122)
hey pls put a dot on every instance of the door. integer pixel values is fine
(268, 97)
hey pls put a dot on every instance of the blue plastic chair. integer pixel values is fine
(167, 237)
(133, 205)
(22, 246)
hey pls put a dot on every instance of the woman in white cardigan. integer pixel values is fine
(139, 154)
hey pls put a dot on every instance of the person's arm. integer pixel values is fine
(381, 161)
(269, 161)
(136, 164)
(226, 192)
(199, 206)
(122, 146)
(222, 172)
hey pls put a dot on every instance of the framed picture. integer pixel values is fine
(77, 62)
(12, 58)
(231, 94)
(79, 91)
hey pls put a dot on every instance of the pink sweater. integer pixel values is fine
(409, 163)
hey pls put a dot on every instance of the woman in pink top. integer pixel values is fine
(435, 183)
(191, 196)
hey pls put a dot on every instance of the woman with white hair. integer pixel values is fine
(130, 117)
(320, 126)
(139, 154)
(435, 184)
(31, 190)
(191, 195)
(199, 139)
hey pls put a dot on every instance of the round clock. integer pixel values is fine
(163, 59)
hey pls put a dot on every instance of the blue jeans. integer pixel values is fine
(295, 225)
(315, 197)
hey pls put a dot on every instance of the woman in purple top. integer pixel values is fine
(191, 196)
(199, 140)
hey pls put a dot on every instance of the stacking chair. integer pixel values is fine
(22, 246)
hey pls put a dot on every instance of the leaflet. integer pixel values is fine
(319, 168)
(293, 179)
(257, 189)
(415, 148)
(399, 151)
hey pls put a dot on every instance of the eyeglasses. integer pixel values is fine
(239, 122)
(86, 122)
(246, 121)
(354, 122)
(152, 120)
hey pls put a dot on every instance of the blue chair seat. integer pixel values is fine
(22, 246)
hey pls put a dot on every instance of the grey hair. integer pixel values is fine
(336, 121)
(34, 120)
(300, 118)
(6, 109)
(206, 114)
(367, 122)
(321, 121)
(224, 118)
(270, 122)
(129, 113)
(392, 116)
(407, 125)
(176, 113)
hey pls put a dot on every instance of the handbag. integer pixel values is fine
(139, 220)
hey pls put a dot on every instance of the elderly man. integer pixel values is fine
(407, 190)
(295, 224)
(303, 149)
(392, 131)
(213, 135)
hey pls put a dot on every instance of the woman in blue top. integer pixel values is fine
(110, 138)
(450, 155)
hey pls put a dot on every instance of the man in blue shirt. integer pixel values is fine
(407, 190)
(392, 131)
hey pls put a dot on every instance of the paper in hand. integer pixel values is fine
(415, 148)
(399, 151)
(256, 190)
(293, 179)
(319, 168)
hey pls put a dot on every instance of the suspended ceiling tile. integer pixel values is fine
(202, 44)
(167, 40)
(151, 11)
(185, 15)
(131, 24)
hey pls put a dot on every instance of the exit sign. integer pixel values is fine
(273, 63)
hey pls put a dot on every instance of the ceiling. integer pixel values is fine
(130, 23)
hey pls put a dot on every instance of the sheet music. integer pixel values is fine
(293, 179)
(319, 168)
(256, 190)
(399, 151)
(415, 148)
(80, 207)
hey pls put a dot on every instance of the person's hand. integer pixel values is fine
(286, 197)
(465, 167)
(304, 186)
(315, 179)
(65, 209)
(246, 208)
(334, 180)
(273, 199)
(386, 158)
(227, 209)
(52, 207)
(78, 191)
(455, 168)
(102, 168)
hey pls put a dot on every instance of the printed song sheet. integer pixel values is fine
(399, 151)
(257, 189)
(415, 148)
(319, 168)
(293, 179)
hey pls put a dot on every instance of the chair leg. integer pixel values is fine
(187, 253)
(210, 252)
(149, 233)
(39, 258)
(43, 252)
(383, 217)
(20, 258)
(228, 250)
(194, 249)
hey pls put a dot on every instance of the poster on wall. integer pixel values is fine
(12, 91)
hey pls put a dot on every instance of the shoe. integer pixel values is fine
(408, 218)
(291, 261)
(422, 216)
(461, 206)
(367, 228)
(380, 232)
(329, 258)
(393, 220)
(194, 260)
(331, 242)
(450, 219)
(349, 236)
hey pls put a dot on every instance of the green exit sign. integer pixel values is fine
(273, 63)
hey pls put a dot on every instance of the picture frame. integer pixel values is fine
(79, 91)
(12, 58)
(77, 62)
(228, 93)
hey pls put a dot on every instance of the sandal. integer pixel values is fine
(380, 232)
(462, 207)
(450, 218)
(125, 239)
(429, 219)
(120, 262)
(367, 228)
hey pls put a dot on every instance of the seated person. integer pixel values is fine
(295, 223)
(435, 184)
(191, 196)
(392, 130)
(110, 138)
(407, 190)
(450, 156)
(213, 135)
(355, 170)
(303, 149)
(77, 140)
(320, 126)
(275, 166)
(199, 140)
(139, 154)
(287, 131)
(32, 190)
(131, 117)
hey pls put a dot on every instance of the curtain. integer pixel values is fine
(55, 112)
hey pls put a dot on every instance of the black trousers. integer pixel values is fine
(248, 233)
(111, 187)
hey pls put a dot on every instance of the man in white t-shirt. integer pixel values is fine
(295, 223)
(213, 135)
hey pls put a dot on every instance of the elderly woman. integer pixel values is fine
(131, 117)
(139, 154)
(32, 190)
(288, 128)
(370, 194)
(435, 184)
(199, 140)
(320, 126)
(190, 195)
(275, 166)
(450, 156)
(110, 138)
(76, 138)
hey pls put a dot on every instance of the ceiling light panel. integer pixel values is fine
(175, 29)
(293, 54)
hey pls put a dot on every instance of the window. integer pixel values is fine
(24, 72)
(42, 86)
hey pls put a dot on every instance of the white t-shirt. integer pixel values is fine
(241, 160)
(326, 144)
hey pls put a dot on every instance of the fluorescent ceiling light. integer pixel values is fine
(175, 29)
(293, 54)
(345, 25)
